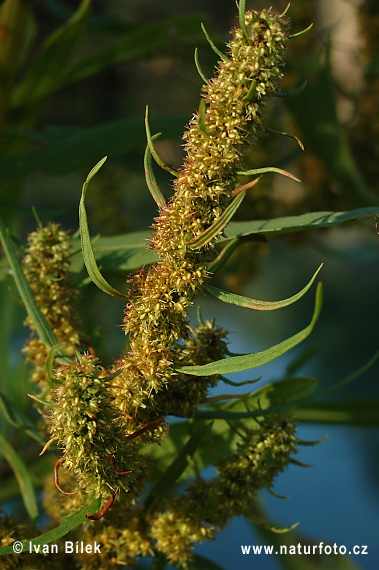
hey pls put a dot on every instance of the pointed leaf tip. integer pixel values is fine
(248, 303)
(85, 238)
(253, 360)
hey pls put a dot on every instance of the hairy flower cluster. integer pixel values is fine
(203, 510)
(46, 265)
(207, 506)
(228, 118)
(89, 430)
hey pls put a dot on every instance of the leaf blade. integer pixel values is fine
(248, 303)
(85, 238)
(67, 524)
(23, 477)
(303, 222)
(40, 323)
(253, 360)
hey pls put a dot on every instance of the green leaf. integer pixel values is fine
(251, 91)
(291, 93)
(215, 49)
(88, 255)
(201, 122)
(304, 222)
(266, 170)
(198, 67)
(40, 400)
(18, 419)
(298, 34)
(150, 178)
(117, 253)
(242, 23)
(40, 324)
(167, 480)
(247, 361)
(67, 524)
(284, 134)
(271, 527)
(128, 251)
(284, 394)
(248, 303)
(150, 142)
(53, 352)
(45, 73)
(23, 477)
(221, 222)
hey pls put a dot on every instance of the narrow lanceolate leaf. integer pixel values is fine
(53, 352)
(88, 255)
(248, 303)
(198, 66)
(247, 361)
(23, 477)
(287, 394)
(241, 12)
(221, 222)
(266, 170)
(215, 49)
(298, 34)
(216, 228)
(18, 419)
(271, 527)
(304, 222)
(150, 178)
(40, 324)
(150, 142)
(67, 524)
(291, 93)
(284, 134)
(201, 118)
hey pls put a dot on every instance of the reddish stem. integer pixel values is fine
(115, 470)
(146, 428)
(104, 510)
(56, 476)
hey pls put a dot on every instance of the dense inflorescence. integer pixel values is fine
(177, 523)
(227, 122)
(207, 506)
(87, 427)
(46, 266)
(96, 414)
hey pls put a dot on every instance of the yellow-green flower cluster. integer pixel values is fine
(124, 536)
(228, 118)
(46, 265)
(207, 506)
(89, 431)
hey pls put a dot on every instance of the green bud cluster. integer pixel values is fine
(208, 506)
(227, 122)
(89, 431)
(46, 265)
